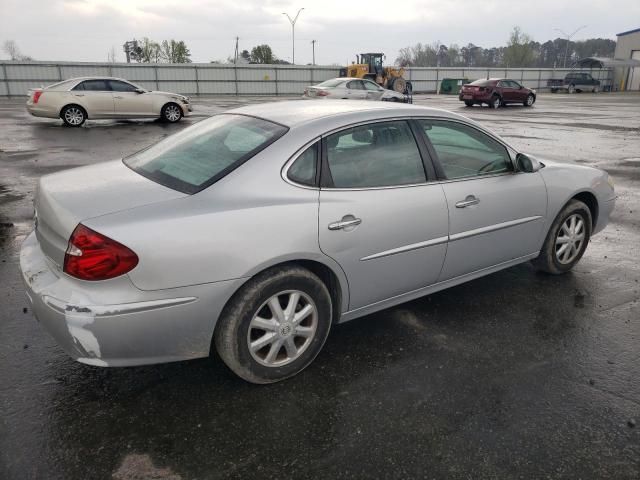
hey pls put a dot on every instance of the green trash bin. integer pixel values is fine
(451, 86)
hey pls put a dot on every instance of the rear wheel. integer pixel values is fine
(529, 101)
(171, 113)
(495, 102)
(73, 115)
(567, 239)
(275, 325)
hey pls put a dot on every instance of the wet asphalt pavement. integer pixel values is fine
(515, 375)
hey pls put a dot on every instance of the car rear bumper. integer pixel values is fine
(146, 327)
(41, 111)
(474, 97)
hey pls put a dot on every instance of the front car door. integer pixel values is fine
(519, 93)
(496, 215)
(96, 95)
(379, 218)
(373, 90)
(128, 102)
(508, 92)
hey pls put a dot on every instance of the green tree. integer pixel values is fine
(172, 51)
(262, 54)
(519, 51)
(150, 51)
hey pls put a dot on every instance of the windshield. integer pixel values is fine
(331, 83)
(198, 156)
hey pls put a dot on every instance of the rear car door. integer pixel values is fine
(355, 90)
(96, 96)
(128, 102)
(379, 217)
(496, 214)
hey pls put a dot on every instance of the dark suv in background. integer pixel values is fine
(496, 92)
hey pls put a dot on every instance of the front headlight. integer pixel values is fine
(610, 181)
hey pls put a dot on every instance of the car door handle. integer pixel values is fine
(470, 200)
(78, 95)
(118, 97)
(344, 224)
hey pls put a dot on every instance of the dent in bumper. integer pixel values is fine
(158, 326)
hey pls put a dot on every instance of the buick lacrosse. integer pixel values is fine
(253, 231)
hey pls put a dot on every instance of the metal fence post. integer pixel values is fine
(437, 79)
(59, 72)
(539, 80)
(195, 67)
(6, 79)
(155, 72)
(235, 75)
(275, 70)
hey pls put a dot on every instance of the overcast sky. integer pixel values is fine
(85, 30)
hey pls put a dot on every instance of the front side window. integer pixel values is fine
(303, 170)
(118, 86)
(464, 151)
(198, 156)
(94, 86)
(374, 155)
(371, 86)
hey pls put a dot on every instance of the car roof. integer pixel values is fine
(294, 113)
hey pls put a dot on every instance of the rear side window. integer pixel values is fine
(375, 155)
(94, 86)
(198, 156)
(303, 170)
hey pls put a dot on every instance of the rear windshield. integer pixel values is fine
(331, 83)
(198, 156)
(482, 82)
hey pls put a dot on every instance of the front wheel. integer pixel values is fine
(529, 101)
(571, 89)
(275, 326)
(567, 239)
(468, 103)
(171, 113)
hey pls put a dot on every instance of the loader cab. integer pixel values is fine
(373, 60)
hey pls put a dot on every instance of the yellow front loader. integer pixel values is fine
(369, 65)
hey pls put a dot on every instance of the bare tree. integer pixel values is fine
(11, 48)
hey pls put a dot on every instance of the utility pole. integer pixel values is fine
(313, 48)
(293, 35)
(566, 49)
(235, 55)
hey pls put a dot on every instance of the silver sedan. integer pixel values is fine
(254, 231)
(346, 88)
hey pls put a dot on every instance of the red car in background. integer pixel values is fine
(496, 92)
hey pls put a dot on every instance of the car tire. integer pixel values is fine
(171, 113)
(249, 317)
(530, 100)
(73, 115)
(596, 89)
(468, 103)
(495, 102)
(553, 259)
(554, 90)
(571, 89)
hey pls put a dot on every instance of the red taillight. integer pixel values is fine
(322, 93)
(92, 256)
(36, 96)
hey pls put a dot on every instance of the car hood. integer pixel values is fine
(65, 199)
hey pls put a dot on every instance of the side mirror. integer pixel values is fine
(526, 164)
(139, 90)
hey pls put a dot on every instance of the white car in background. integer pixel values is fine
(352, 89)
(79, 99)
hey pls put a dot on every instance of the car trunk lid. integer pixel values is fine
(66, 199)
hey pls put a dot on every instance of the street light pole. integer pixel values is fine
(313, 49)
(293, 34)
(566, 48)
